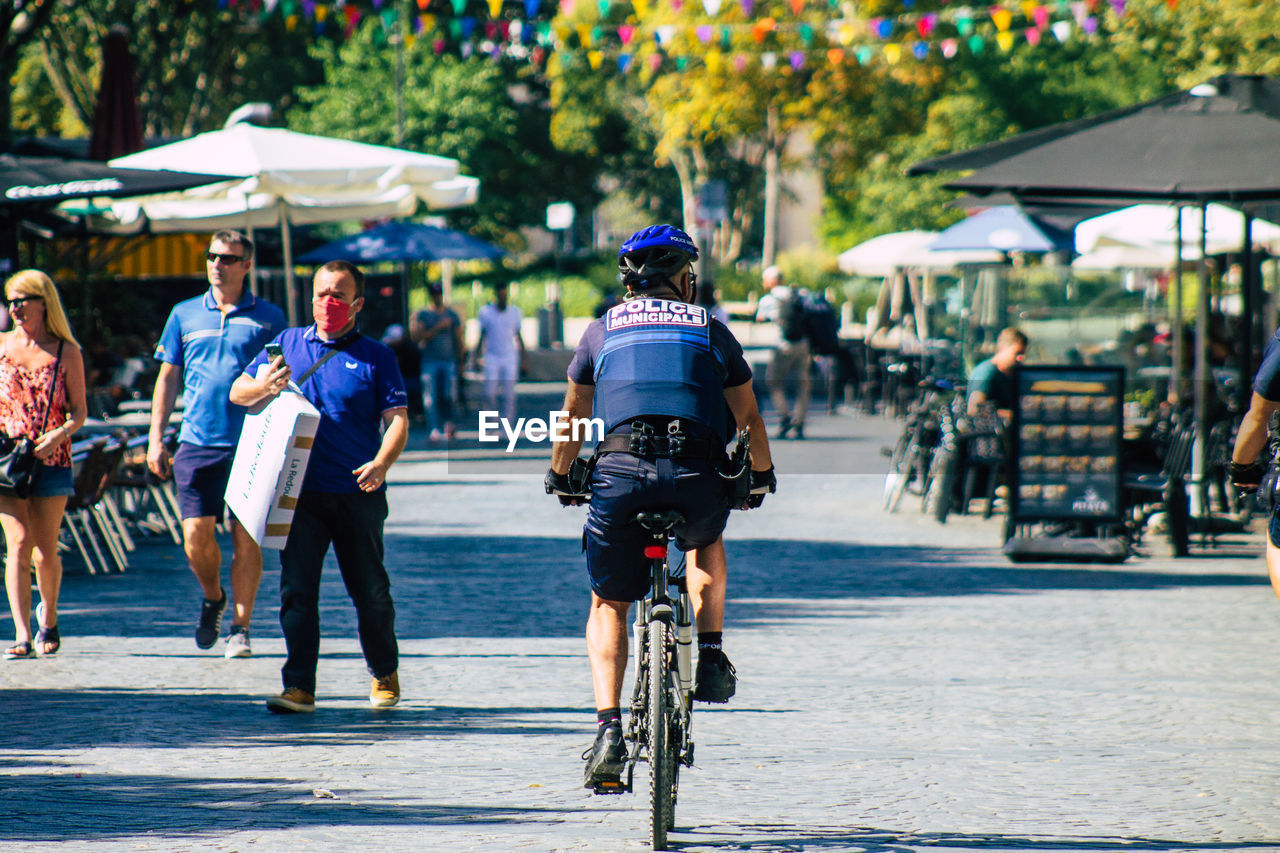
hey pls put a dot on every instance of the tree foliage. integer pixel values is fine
(21, 21)
(490, 117)
(195, 61)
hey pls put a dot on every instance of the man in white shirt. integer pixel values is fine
(502, 349)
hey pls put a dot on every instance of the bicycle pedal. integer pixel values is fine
(610, 786)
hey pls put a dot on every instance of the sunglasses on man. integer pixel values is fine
(226, 259)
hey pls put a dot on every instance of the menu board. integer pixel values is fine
(1068, 423)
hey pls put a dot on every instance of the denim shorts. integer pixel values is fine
(1273, 528)
(623, 485)
(52, 481)
(201, 475)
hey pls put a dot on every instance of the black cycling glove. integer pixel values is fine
(558, 485)
(762, 483)
(1247, 478)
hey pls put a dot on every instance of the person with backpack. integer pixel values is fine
(789, 367)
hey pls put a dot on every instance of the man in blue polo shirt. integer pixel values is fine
(206, 343)
(364, 423)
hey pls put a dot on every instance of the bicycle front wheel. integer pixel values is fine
(662, 758)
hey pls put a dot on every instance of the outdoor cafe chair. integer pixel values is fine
(89, 517)
(1145, 492)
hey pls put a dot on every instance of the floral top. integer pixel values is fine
(24, 392)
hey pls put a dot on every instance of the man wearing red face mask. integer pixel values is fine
(357, 387)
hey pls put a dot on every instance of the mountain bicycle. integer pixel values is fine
(659, 726)
(910, 459)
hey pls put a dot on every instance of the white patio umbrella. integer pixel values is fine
(882, 255)
(1153, 226)
(1118, 257)
(291, 178)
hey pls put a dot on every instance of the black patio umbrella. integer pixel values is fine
(48, 181)
(117, 121)
(34, 184)
(1219, 141)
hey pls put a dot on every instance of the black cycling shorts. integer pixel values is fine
(623, 485)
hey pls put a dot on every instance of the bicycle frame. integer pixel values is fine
(677, 612)
(667, 605)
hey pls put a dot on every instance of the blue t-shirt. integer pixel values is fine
(441, 347)
(1267, 380)
(994, 383)
(352, 390)
(212, 349)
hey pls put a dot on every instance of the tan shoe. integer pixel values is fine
(292, 701)
(385, 692)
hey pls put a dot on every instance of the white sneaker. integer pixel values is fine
(238, 643)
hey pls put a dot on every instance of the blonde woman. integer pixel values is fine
(34, 378)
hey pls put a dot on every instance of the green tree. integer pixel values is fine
(1198, 39)
(21, 21)
(195, 62)
(493, 118)
(975, 97)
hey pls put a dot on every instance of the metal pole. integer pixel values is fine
(1175, 318)
(290, 286)
(1204, 376)
(1248, 310)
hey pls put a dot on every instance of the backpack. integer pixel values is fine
(822, 325)
(791, 318)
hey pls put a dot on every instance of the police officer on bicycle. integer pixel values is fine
(671, 386)
(1249, 464)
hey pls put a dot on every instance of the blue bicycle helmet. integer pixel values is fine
(654, 254)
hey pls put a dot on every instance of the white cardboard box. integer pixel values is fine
(270, 463)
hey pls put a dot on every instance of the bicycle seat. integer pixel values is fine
(660, 523)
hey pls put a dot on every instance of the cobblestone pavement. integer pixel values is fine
(903, 688)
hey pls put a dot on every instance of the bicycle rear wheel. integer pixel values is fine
(662, 758)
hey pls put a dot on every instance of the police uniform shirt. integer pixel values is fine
(665, 329)
(1267, 380)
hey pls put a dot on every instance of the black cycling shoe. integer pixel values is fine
(210, 626)
(716, 677)
(605, 759)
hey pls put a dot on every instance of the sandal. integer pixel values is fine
(49, 637)
(20, 651)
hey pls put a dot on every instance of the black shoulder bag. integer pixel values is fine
(18, 455)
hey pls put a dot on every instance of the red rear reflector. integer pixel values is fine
(653, 552)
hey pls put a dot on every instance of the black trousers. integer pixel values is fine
(352, 523)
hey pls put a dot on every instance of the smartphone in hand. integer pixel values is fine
(274, 351)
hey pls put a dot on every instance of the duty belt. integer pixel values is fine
(645, 441)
